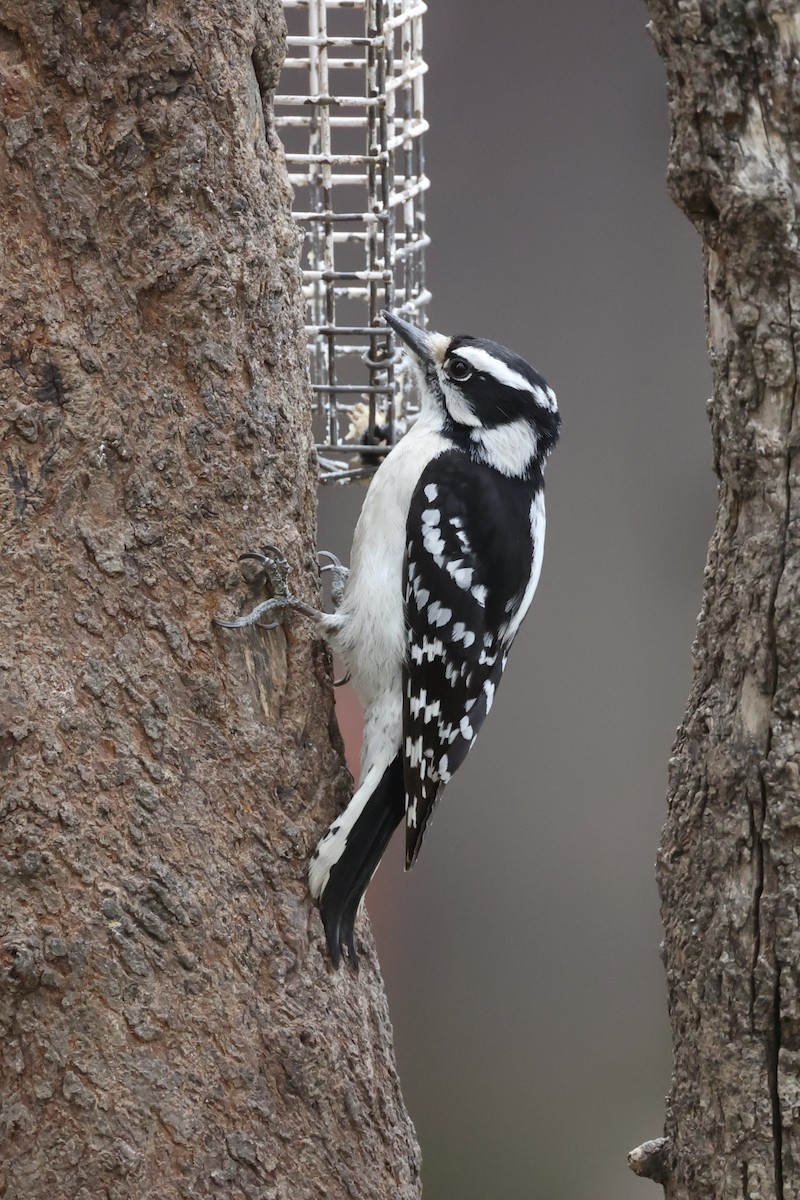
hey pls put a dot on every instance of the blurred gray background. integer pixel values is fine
(521, 955)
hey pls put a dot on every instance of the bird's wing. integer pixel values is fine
(467, 579)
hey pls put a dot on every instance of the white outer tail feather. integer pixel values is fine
(331, 846)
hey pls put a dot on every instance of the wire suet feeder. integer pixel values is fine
(352, 134)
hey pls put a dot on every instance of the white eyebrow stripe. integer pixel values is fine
(482, 360)
(546, 397)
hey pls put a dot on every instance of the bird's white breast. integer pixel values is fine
(370, 622)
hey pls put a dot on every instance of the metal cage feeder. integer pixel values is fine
(352, 133)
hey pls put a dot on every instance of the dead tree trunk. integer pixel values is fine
(729, 865)
(170, 1026)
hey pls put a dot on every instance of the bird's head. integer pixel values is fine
(492, 401)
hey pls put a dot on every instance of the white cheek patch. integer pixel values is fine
(508, 448)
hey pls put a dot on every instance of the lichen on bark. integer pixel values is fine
(169, 1023)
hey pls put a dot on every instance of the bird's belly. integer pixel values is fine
(371, 634)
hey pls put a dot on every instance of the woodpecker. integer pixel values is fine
(446, 558)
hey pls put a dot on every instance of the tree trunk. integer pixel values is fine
(170, 1024)
(729, 865)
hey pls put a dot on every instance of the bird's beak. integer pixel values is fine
(418, 341)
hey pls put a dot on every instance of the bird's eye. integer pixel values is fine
(458, 369)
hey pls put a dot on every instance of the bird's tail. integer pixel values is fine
(348, 855)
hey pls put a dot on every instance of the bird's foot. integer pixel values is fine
(273, 567)
(339, 575)
(274, 571)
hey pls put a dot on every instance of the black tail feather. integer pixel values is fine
(364, 849)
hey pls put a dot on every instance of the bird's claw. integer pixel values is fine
(333, 561)
(275, 571)
(274, 567)
(339, 575)
(279, 603)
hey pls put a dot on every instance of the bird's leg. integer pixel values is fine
(339, 575)
(275, 570)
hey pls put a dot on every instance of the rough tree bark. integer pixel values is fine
(729, 863)
(170, 1026)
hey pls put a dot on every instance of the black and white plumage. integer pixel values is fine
(445, 561)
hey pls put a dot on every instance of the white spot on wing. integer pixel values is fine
(432, 541)
(437, 615)
(430, 649)
(462, 634)
(414, 751)
(462, 575)
(450, 672)
(447, 733)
